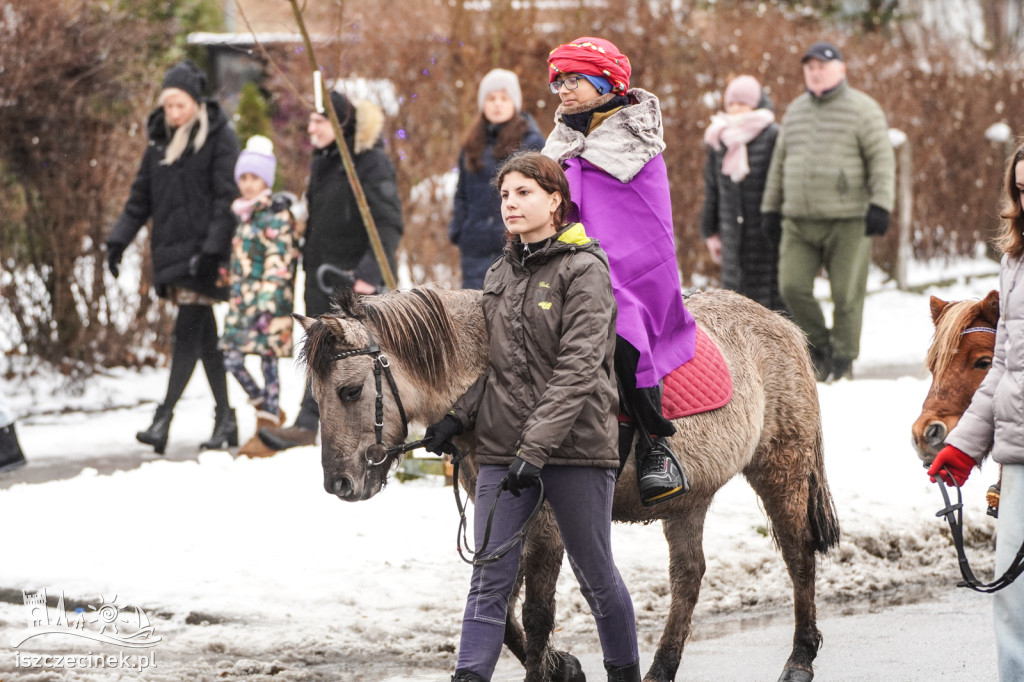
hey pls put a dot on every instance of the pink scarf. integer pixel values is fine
(735, 131)
(243, 208)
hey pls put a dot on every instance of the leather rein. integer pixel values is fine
(381, 370)
(954, 516)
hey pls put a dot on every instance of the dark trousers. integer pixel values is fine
(581, 498)
(642, 404)
(317, 303)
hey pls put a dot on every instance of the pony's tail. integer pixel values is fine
(821, 510)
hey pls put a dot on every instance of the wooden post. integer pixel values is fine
(905, 192)
(346, 158)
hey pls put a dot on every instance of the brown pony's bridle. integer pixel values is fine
(381, 366)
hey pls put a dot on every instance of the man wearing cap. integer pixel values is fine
(830, 188)
(335, 234)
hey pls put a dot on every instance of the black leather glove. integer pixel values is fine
(115, 250)
(876, 223)
(439, 434)
(521, 475)
(204, 266)
(771, 224)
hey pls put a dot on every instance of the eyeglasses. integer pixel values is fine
(570, 83)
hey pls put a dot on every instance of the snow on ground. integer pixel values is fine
(248, 566)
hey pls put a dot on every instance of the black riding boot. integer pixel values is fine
(11, 456)
(156, 434)
(466, 676)
(225, 431)
(624, 673)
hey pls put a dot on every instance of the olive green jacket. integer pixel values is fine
(832, 158)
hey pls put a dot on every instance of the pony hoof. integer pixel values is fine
(565, 667)
(796, 675)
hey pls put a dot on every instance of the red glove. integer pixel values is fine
(957, 461)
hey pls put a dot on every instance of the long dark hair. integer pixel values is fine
(1011, 233)
(510, 137)
(546, 172)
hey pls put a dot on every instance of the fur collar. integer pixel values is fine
(621, 146)
(369, 125)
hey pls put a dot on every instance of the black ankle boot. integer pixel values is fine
(225, 431)
(11, 456)
(156, 434)
(466, 676)
(625, 673)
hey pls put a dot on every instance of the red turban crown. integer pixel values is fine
(591, 57)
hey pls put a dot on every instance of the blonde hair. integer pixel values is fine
(1011, 232)
(179, 141)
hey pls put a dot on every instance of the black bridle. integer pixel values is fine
(382, 367)
(954, 516)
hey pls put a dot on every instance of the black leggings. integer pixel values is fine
(642, 404)
(195, 338)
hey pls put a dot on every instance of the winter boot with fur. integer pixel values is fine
(624, 673)
(11, 456)
(156, 434)
(225, 431)
(254, 447)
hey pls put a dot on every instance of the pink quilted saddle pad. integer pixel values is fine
(699, 385)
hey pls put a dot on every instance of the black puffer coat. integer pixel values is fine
(335, 233)
(733, 211)
(189, 202)
(476, 226)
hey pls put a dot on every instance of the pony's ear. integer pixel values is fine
(990, 308)
(937, 306)
(348, 332)
(306, 322)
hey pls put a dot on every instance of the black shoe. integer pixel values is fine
(11, 456)
(156, 434)
(225, 431)
(822, 360)
(660, 477)
(466, 676)
(842, 368)
(624, 673)
(287, 437)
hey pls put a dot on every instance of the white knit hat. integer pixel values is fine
(500, 79)
(257, 158)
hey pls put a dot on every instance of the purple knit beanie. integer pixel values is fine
(743, 90)
(257, 158)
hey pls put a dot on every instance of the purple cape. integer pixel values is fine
(633, 223)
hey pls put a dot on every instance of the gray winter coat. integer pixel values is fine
(549, 393)
(995, 419)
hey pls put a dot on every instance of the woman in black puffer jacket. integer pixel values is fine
(186, 184)
(502, 128)
(740, 142)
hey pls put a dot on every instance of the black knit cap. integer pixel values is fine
(186, 76)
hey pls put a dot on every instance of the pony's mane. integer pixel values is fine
(951, 323)
(413, 327)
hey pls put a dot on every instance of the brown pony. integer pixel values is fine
(435, 342)
(959, 358)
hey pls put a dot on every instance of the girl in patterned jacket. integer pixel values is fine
(262, 279)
